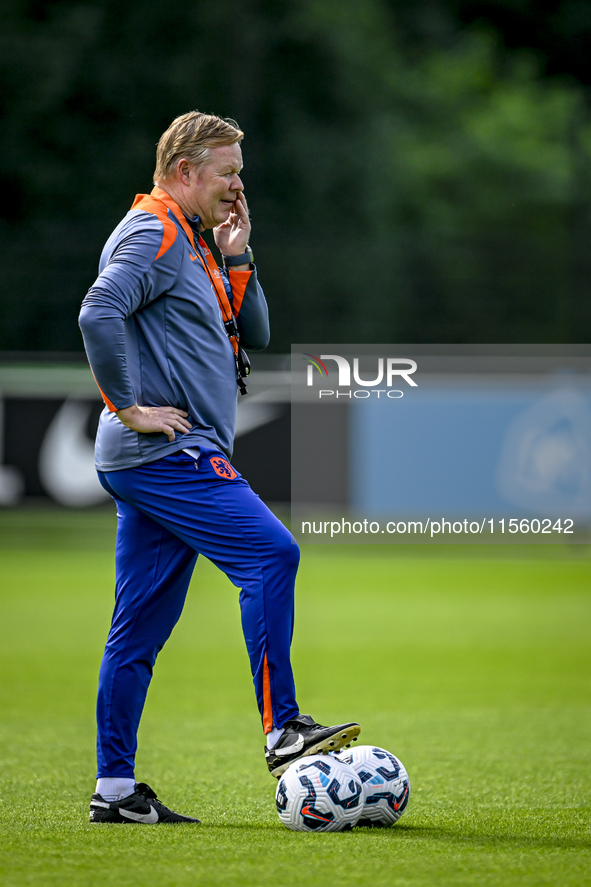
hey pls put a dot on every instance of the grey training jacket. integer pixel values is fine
(154, 335)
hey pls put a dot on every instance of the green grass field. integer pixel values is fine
(471, 665)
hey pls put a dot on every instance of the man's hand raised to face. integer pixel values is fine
(232, 236)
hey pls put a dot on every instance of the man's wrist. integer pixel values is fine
(244, 258)
(129, 411)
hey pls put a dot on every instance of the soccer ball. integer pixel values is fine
(386, 786)
(319, 793)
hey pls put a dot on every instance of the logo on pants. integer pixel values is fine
(223, 468)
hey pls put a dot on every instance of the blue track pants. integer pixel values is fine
(169, 511)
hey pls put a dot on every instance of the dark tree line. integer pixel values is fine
(416, 172)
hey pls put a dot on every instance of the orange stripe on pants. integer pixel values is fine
(267, 707)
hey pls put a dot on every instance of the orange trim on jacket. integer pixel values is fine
(157, 194)
(238, 282)
(150, 203)
(111, 406)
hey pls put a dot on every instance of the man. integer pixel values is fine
(164, 329)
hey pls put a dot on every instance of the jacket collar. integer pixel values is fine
(191, 226)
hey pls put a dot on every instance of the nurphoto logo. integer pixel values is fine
(389, 370)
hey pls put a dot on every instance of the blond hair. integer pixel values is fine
(192, 136)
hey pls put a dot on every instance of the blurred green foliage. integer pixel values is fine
(410, 178)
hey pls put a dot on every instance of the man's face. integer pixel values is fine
(214, 186)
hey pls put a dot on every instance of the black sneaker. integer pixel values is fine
(141, 807)
(302, 736)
